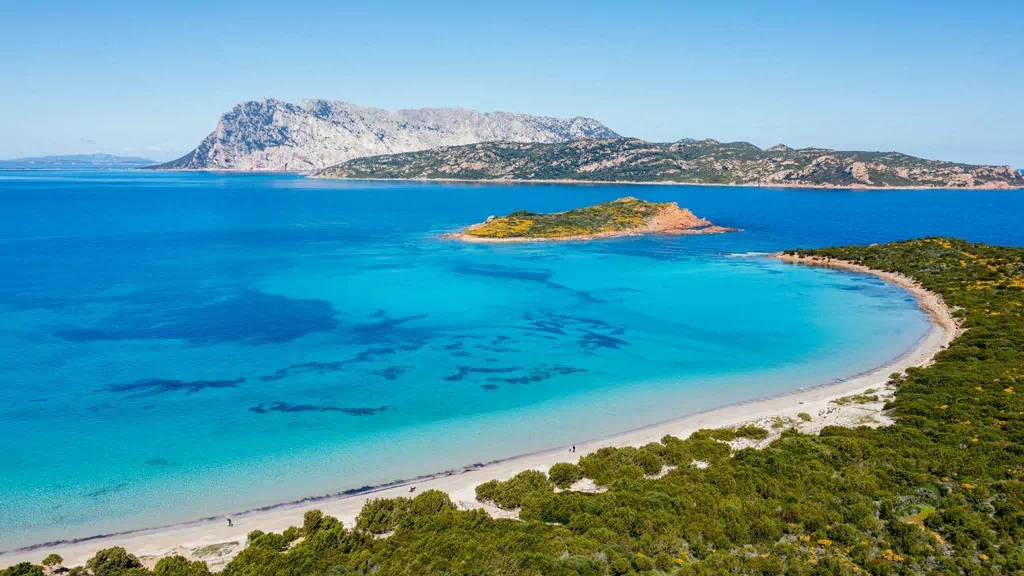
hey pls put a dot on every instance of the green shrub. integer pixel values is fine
(431, 502)
(649, 462)
(179, 566)
(311, 521)
(487, 491)
(643, 563)
(114, 561)
(721, 434)
(53, 560)
(565, 474)
(863, 398)
(382, 515)
(22, 569)
(751, 432)
(620, 566)
(607, 465)
(729, 434)
(708, 450)
(663, 561)
(268, 540)
(292, 533)
(509, 495)
(804, 416)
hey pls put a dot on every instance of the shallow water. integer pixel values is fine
(184, 345)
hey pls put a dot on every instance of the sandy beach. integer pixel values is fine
(214, 541)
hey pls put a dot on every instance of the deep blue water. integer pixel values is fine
(183, 345)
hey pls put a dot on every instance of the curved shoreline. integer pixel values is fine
(857, 188)
(928, 301)
(181, 538)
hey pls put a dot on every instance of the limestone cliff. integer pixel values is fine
(270, 134)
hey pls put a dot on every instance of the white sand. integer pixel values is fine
(460, 485)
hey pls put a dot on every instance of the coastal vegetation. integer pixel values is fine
(511, 493)
(619, 217)
(940, 491)
(565, 474)
(685, 161)
(865, 397)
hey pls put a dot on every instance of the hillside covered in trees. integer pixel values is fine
(686, 161)
(938, 492)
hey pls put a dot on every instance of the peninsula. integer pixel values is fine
(623, 217)
(706, 162)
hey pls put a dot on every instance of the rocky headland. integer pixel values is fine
(272, 135)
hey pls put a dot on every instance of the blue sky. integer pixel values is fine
(937, 79)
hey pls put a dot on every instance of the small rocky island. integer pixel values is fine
(623, 217)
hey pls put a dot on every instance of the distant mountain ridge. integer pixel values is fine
(686, 161)
(271, 134)
(97, 160)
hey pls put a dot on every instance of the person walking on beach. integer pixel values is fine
(230, 524)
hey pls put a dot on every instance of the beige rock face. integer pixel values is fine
(860, 171)
(674, 220)
(274, 135)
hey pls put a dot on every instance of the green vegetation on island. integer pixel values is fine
(940, 491)
(616, 218)
(686, 161)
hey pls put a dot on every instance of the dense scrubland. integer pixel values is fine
(938, 492)
(684, 162)
(621, 215)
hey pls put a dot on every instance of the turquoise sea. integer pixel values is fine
(178, 346)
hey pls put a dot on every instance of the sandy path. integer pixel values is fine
(185, 539)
